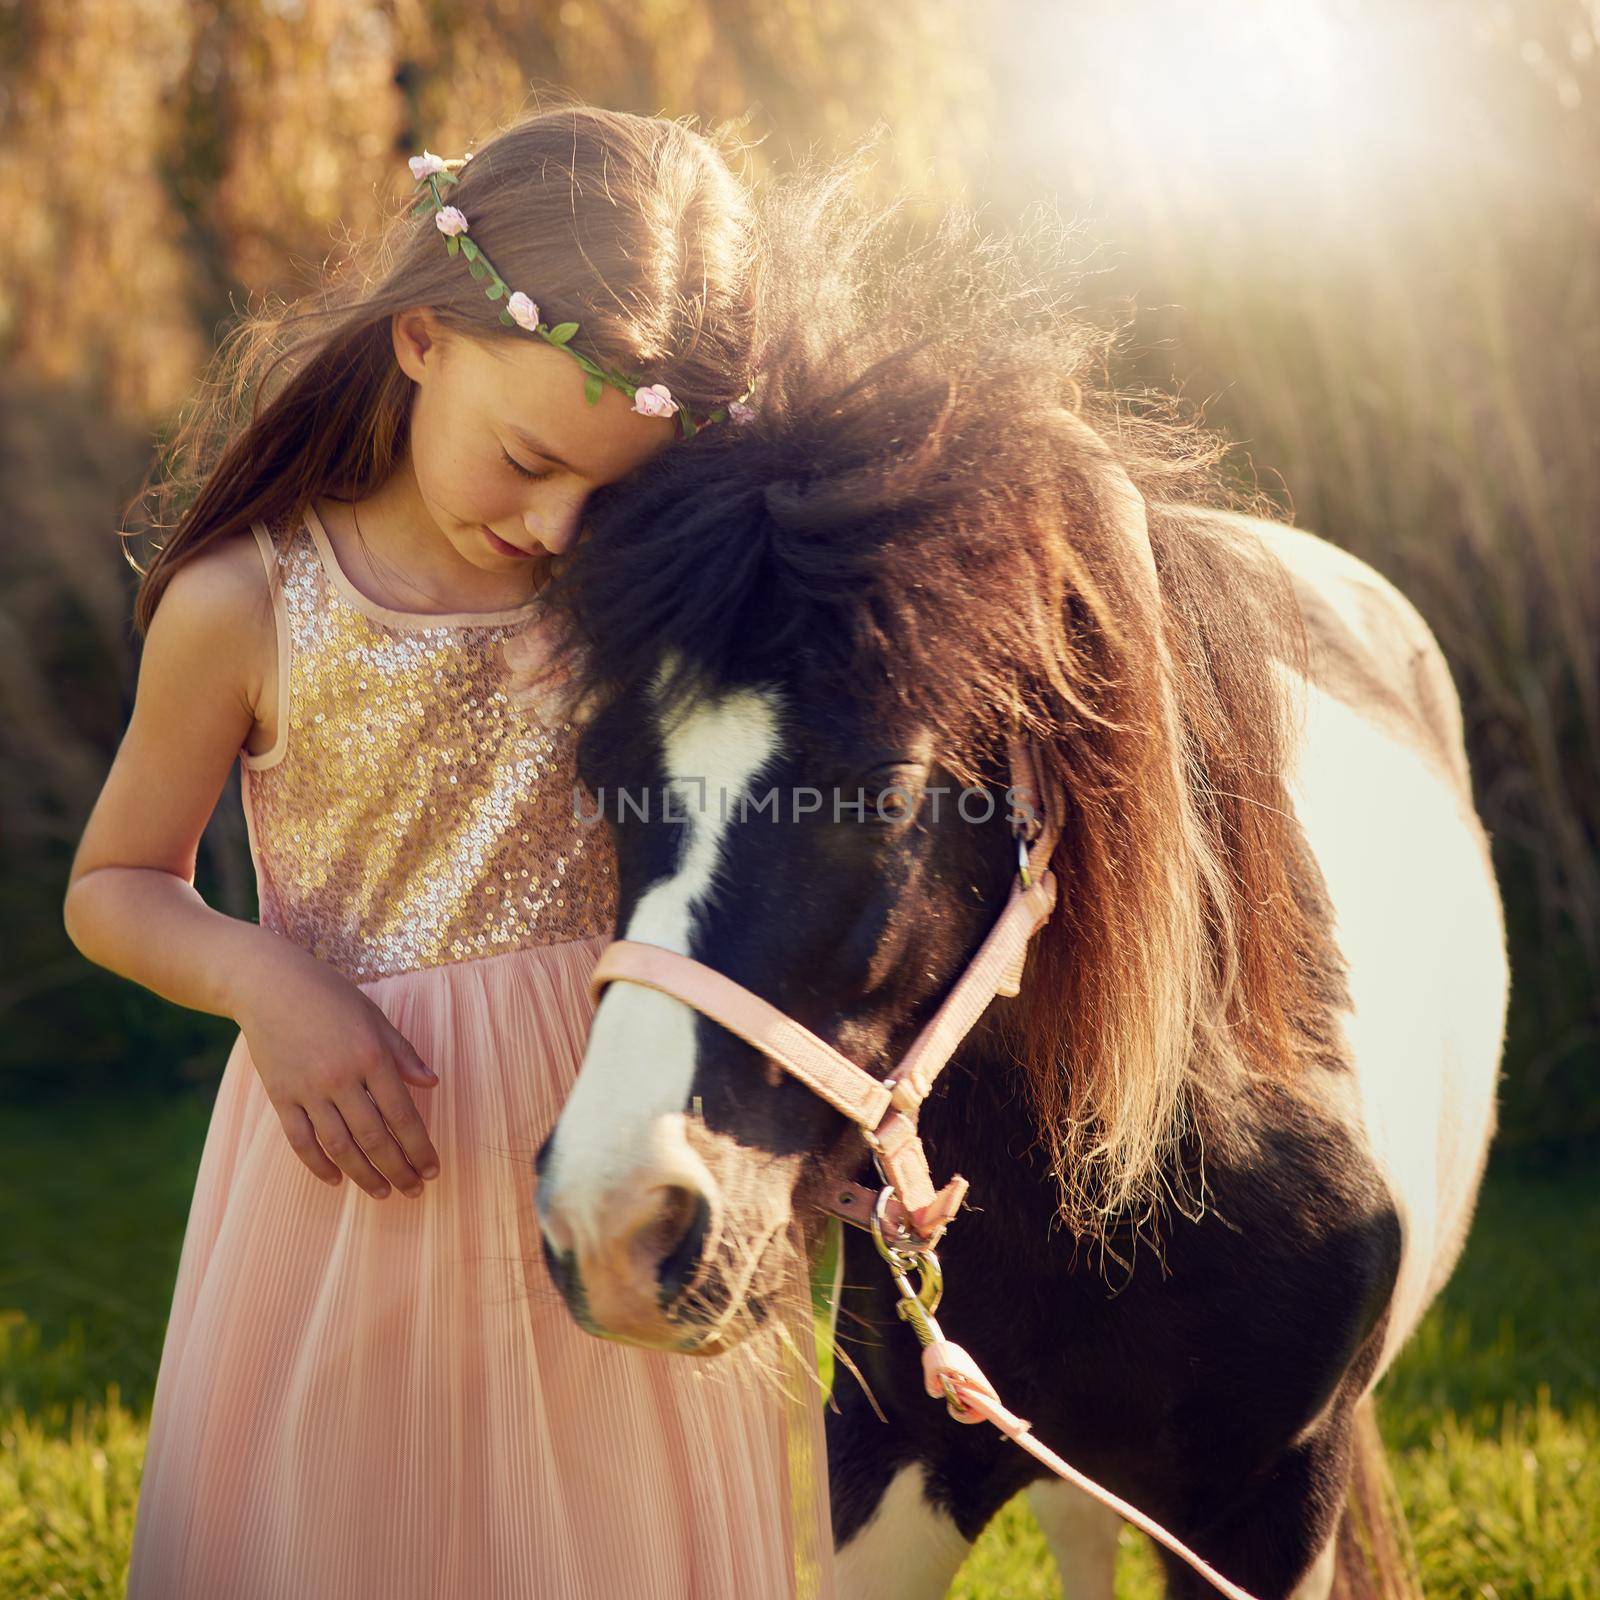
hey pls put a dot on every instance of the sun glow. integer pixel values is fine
(1241, 93)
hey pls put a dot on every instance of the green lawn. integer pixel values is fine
(1491, 1415)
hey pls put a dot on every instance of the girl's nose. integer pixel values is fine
(555, 523)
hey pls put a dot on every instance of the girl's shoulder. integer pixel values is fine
(218, 609)
(222, 589)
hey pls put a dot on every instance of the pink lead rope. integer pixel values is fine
(948, 1370)
(886, 1111)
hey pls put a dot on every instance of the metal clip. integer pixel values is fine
(917, 1305)
(906, 1247)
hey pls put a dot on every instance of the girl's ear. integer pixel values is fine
(417, 344)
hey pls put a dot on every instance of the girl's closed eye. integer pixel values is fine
(519, 469)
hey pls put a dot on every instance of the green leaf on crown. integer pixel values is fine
(469, 250)
(562, 332)
(495, 289)
(477, 269)
(592, 386)
(453, 245)
(505, 317)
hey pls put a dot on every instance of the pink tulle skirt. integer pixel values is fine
(387, 1399)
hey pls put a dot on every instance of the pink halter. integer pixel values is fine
(886, 1111)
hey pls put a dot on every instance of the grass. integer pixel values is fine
(1491, 1415)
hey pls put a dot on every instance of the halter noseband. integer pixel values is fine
(885, 1110)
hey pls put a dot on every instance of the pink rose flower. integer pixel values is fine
(740, 412)
(425, 165)
(523, 311)
(451, 221)
(654, 400)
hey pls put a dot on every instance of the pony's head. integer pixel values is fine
(808, 641)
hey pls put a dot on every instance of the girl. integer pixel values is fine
(362, 1393)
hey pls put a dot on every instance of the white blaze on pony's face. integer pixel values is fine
(620, 1172)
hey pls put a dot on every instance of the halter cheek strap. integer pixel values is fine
(884, 1109)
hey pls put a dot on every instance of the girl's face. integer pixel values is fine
(504, 447)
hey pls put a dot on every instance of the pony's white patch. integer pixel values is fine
(623, 1123)
(1418, 923)
(907, 1550)
(1318, 1581)
(1082, 1535)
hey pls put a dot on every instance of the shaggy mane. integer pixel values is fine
(917, 515)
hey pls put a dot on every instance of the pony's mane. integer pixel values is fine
(915, 516)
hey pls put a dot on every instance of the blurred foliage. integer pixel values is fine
(1366, 237)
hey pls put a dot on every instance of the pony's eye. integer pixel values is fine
(892, 793)
(518, 468)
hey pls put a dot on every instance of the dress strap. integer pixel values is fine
(271, 560)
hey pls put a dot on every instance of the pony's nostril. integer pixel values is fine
(555, 1231)
(676, 1238)
(560, 1267)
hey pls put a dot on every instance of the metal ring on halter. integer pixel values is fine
(1022, 862)
(917, 1305)
(907, 1250)
(1026, 821)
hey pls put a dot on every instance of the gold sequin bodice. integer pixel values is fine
(409, 815)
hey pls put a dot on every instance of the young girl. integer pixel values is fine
(365, 1393)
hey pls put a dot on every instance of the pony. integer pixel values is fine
(1224, 1143)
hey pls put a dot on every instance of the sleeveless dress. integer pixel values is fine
(387, 1399)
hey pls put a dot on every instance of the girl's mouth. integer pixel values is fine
(502, 548)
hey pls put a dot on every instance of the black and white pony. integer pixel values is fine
(1224, 1146)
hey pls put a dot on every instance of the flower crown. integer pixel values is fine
(649, 399)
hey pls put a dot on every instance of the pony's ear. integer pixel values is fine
(1119, 507)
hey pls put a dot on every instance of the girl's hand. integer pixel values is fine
(336, 1070)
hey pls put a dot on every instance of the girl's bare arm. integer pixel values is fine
(331, 1062)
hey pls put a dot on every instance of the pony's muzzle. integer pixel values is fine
(624, 1256)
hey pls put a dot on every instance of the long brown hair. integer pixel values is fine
(636, 228)
(945, 501)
